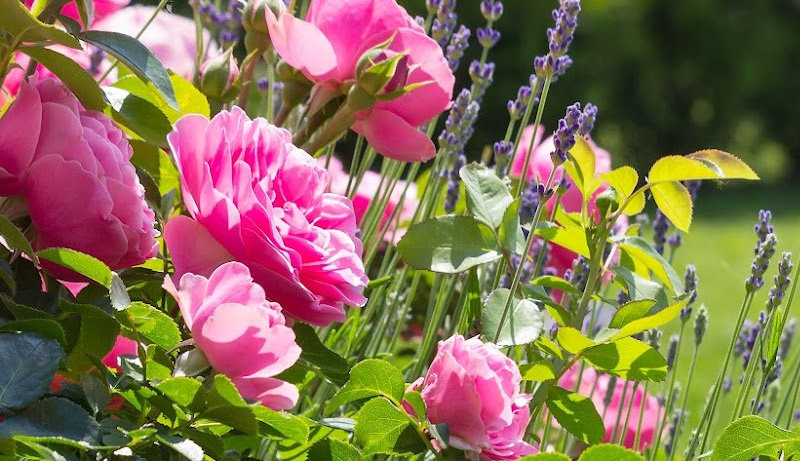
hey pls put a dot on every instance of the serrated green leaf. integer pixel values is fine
(139, 115)
(674, 200)
(448, 244)
(79, 81)
(623, 180)
(568, 235)
(151, 324)
(679, 168)
(752, 436)
(641, 250)
(487, 195)
(226, 406)
(557, 283)
(29, 363)
(96, 393)
(383, 428)
(730, 165)
(186, 392)
(576, 414)
(628, 358)
(136, 57)
(581, 166)
(573, 341)
(523, 322)
(19, 22)
(94, 334)
(656, 320)
(636, 204)
(606, 452)
(631, 311)
(14, 237)
(81, 263)
(52, 419)
(184, 447)
(539, 371)
(546, 457)
(370, 378)
(331, 364)
(290, 427)
(333, 450)
(45, 328)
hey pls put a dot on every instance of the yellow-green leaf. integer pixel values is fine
(623, 180)
(674, 201)
(573, 341)
(730, 165)
(635, 204)
(581, 166)
(679, 168)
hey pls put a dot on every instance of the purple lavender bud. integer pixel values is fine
(559, 38)
(488, 37)
(660, 227)
(764, 227)
(589, 117)
(262, 84)
(700, 324)
(458, 44)
(672, 350)
(787, 336)
(433, 5)
(530, 200)
(577, 275)
(694, 188)
(782, 281)
(564, 137)
(481, 72)
(95, 60)
(502, 153)
(491, 10)
(228, 37)
(675, 240)
(764, 253)
(690, 280)
(622, 297)
(727, 384)
(444, 24)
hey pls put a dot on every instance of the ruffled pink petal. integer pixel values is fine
(302, 45)
(391, 136)
(192, 248)
(19, 132)
(273, 393)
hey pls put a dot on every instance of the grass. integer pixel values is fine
(721, 245)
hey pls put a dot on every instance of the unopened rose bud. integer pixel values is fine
(218, 77)
(254, 22)
(381, 71)
(607, 201)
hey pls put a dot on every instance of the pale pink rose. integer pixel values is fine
(327, 46)
(72, 166)
(102, 8)
(540, 166)
(242, 335)
(596, 387)
(258, 199)
(122, 346)
(367, 192)
(475, 389)
(171, 37)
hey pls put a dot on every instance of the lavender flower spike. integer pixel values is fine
(559, 37)
(564, 137)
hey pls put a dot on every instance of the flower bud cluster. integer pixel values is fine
(564, 137)
(559, 37)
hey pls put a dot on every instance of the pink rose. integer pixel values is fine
(102, 8)
(367, 192)
(475, 389)
(122, 346)
(596, 387)
(539, 167)
(72, 166)
(171, 37)
(243, 335)
(327, 46)
(258, 199)
(16, 75)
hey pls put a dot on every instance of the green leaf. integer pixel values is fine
(581, 167)
(136, 57)
(184, 447)
(54, 419)
(15, 238)
(139, 115)
(289, 426)
(333, 450)
(674, 201)
(85, 11)
(472, 302)
(29, 363)
(557, 283)
(568, 235)
(656, 320)
(19, 22)
(576, 414)
(631, 311)
(80, 82)
(523, 323)
(331, 364)
(151, 324)
(414, 399)
(636, 203)
(638, 248)
(190, 99)
(448, 244)
(158, 164)
(628, 358)
(573, 341)
(510, 233)
(753, 436)
(546, 457)
(623, 180)
(383, 428)
(370, 378)
(225, 405)
(88, 266)
(487, 195)
(186, 392)
(45, 328)
(540, 371)
(730, 165)
(705, 164)
(93, 332)
(96, 393)
(605, 452)
(640, 288)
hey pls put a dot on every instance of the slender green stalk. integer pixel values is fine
(684, 401)
(638, 438)
(670, 394)
(619, 411)
(631, 402)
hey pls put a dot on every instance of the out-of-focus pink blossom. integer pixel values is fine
(242, 334)
(72, 167)
(102, 8)
(258, 199)
(327, 46)
(597, 387)
(475, 389)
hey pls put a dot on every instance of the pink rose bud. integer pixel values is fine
(218, 77)
(242, 335)
(73, 168)
(474, 389)
(254, 21)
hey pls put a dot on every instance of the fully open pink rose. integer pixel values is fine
(243, 335)
(72, 166)
(258, 199)
(102, 8)
(596, 387)
(475, 389)
(367, 192)
(327, 46)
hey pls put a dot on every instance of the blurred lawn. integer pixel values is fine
(720, 245)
